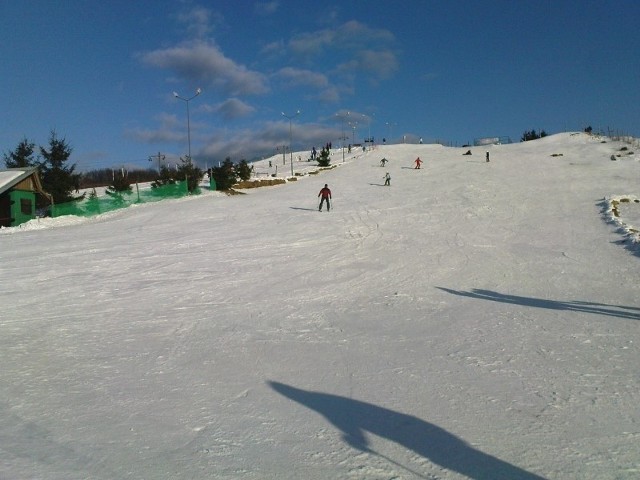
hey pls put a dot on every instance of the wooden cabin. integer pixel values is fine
(19, 191)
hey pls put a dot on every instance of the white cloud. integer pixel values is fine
(204, 64)
(301, 77)
(230, 109)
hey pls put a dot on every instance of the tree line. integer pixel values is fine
(60, 179)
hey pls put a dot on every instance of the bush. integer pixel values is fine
(532, 135)
(224, 175)
(190, 172)
(243, 170)
(120, 184)
(323, 159)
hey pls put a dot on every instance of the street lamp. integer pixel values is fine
(342, 117)
(187, 100)
(291, 117)
(354, 125)
(369, 139)
(391, 125)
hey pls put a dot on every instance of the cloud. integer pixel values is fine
(230, 109)
(263, 140)
(381, 64)
(197, 21)
(299, 77)
(204, 64)
(350, 36)
(168, 131)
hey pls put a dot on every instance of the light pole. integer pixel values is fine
(370, 140)
(291, 117)
(390, 125)
(187, 100)
(354, 125)
(343, 136)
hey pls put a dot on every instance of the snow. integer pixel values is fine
(473, 320)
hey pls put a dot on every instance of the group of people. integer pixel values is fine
(325, 192)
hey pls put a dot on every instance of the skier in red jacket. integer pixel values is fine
(325, 193)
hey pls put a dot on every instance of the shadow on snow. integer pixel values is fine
(307, 209)
(354, 418)
(632, 313)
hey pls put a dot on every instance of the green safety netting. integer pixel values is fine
(94, 205)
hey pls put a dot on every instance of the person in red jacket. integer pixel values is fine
(418, 163)
(325, 193)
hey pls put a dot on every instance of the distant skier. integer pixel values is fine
(387, 180)
(418, 163)
(487, 156)
(383, 162)
(325, 193)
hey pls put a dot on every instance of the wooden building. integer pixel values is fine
(19, 190)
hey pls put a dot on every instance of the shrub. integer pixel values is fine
(323, 158)
(532, 135)
(224, 175)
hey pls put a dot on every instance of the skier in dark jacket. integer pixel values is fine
(325, 193)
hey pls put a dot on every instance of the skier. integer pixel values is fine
(487, 157)
(325, 193)
(387, 180)
(418, 163)
(383, 161)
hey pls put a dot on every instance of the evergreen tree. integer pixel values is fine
(58, 178)
(22, 156)
(167, 177)
(192, 173)
(243, 170)
(323, 159)
(120, 185)
(532, 135)
(224, 175)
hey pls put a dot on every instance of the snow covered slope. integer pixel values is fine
(473, 320)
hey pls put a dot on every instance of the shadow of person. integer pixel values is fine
(574, 306)
(354, 418)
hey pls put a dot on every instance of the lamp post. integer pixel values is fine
(390, 125)
(187, 100)
(369, 139)
(291, 117)
(354, 125)
(343, 135)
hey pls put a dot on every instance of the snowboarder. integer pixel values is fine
(383, 162)
(325, 193)
(418, 163)
(387, 180)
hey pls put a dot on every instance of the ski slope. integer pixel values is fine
(473, 320)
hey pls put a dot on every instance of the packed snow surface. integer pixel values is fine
(472, 320)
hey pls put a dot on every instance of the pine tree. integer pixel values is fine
(22, 156)
(167, 177)
(58, 179)
(224, 175)
(190, 172)
(243, 170)
(323, 159)
(120, 185)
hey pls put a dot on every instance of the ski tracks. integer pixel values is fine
(363, 228)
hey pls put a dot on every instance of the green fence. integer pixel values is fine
(94, 205)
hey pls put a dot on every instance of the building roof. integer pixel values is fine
(13, 176)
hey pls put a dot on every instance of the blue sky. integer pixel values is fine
(102, 74)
